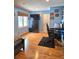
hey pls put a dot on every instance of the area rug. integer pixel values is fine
(47, 42)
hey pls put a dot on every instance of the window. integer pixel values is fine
(25, 21)
(22, 21)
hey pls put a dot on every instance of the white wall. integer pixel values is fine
(15, 24)
(19, 31)
(45, 20)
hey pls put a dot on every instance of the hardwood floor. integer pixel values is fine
(40, 52)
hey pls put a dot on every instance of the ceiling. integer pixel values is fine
(37, 5)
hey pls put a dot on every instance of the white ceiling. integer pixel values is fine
(37, 5)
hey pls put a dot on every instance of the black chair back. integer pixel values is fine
(47, 28)
(51, 36)
(50, 31)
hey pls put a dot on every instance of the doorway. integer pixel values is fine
(34, 23)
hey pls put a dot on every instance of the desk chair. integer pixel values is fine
(51, 36)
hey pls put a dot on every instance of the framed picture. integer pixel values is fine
(56, 15)
(56, 10)
(51, 15)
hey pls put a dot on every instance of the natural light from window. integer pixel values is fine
(25, 21)
(22, 21)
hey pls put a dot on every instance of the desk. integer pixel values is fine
(58, 33)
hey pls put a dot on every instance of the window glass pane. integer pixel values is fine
(20, 21)
(25, 21)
